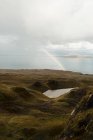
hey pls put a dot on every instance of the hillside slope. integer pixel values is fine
(27, 114)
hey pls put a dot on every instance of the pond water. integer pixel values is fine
(57, 93)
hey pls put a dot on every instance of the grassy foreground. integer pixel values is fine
(26, 114)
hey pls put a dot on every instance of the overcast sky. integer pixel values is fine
(34, 27)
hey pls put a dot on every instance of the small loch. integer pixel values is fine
(57, 93)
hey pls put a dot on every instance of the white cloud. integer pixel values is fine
(59, 21)
(48, 20)
(28, 26)
(83, 47)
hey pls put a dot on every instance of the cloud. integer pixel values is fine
(71, 48)
(29, 26)
(7, 39)
(59, 21)
(47, 20)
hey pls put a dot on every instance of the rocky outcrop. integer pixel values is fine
(80, 119)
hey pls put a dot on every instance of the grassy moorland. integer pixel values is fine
(27, 114)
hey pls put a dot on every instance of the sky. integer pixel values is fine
(32, 29)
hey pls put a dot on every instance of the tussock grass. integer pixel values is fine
(27, 114)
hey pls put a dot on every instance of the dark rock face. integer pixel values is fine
(90, 102)
(39, 86)
(53, 84)
(79, 123)
(84, 122)
(28, 132)
(85, 103)
(22, 92)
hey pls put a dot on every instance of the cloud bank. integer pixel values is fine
(29, 26)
